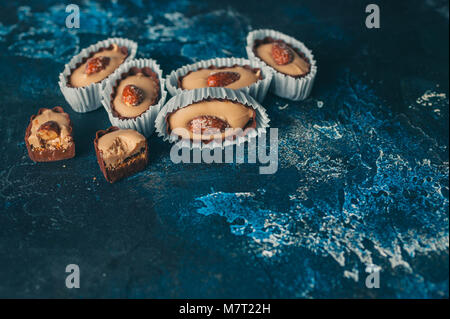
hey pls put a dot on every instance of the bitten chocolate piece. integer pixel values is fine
(120, 153)
(49, 136)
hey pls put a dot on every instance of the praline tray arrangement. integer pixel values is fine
(290, 54)
(215, 102)
(251, 77)
(104, 57)
(139, 116)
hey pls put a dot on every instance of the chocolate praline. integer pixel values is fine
(79, 77)
(297, 68)
(246, 76)
(146, 80)
(199, 119)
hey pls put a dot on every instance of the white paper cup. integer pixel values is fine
(88, 98)
(258, 90)
(283, 85)
(144, 123)
(189, 97)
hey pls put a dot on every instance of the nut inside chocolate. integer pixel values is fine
(127, 161)
(48, 131)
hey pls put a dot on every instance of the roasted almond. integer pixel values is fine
(282, 53)
(132, 95)
(207, 125)
(222, 78)
(96, 64)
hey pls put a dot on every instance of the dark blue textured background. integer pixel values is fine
(362, 179)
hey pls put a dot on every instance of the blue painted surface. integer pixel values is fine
(362, 179)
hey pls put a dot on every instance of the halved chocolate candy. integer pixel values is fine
(49, 136)
(120, 152)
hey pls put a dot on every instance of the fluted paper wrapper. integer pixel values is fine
(284, 85)
(189, 97)
(144, 123)
(88, 98)
(257, 90)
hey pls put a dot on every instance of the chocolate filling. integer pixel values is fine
(57, 109)
(127, 161)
